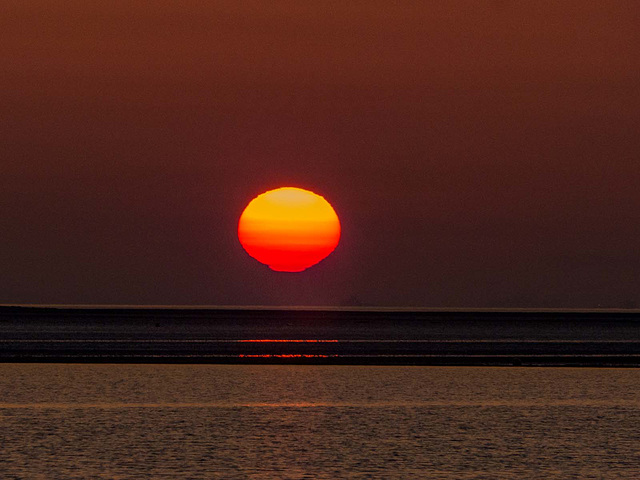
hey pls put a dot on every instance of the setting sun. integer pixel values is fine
(289, 229)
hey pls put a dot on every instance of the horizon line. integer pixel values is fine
(318, 308)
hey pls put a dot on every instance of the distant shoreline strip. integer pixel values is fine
(514, 340)
(493, 360)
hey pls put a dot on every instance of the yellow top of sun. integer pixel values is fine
(289, 204)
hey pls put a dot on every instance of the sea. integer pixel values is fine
(157, 393)
(166, 421)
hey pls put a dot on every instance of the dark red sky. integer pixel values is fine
(479, 154)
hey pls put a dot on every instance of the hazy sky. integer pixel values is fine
(479, 154)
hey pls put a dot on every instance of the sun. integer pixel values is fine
(289, 229)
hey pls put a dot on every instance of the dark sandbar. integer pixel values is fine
(320, 336)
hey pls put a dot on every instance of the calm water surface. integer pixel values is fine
(327, 422)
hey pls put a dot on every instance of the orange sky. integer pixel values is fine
(480, 153)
